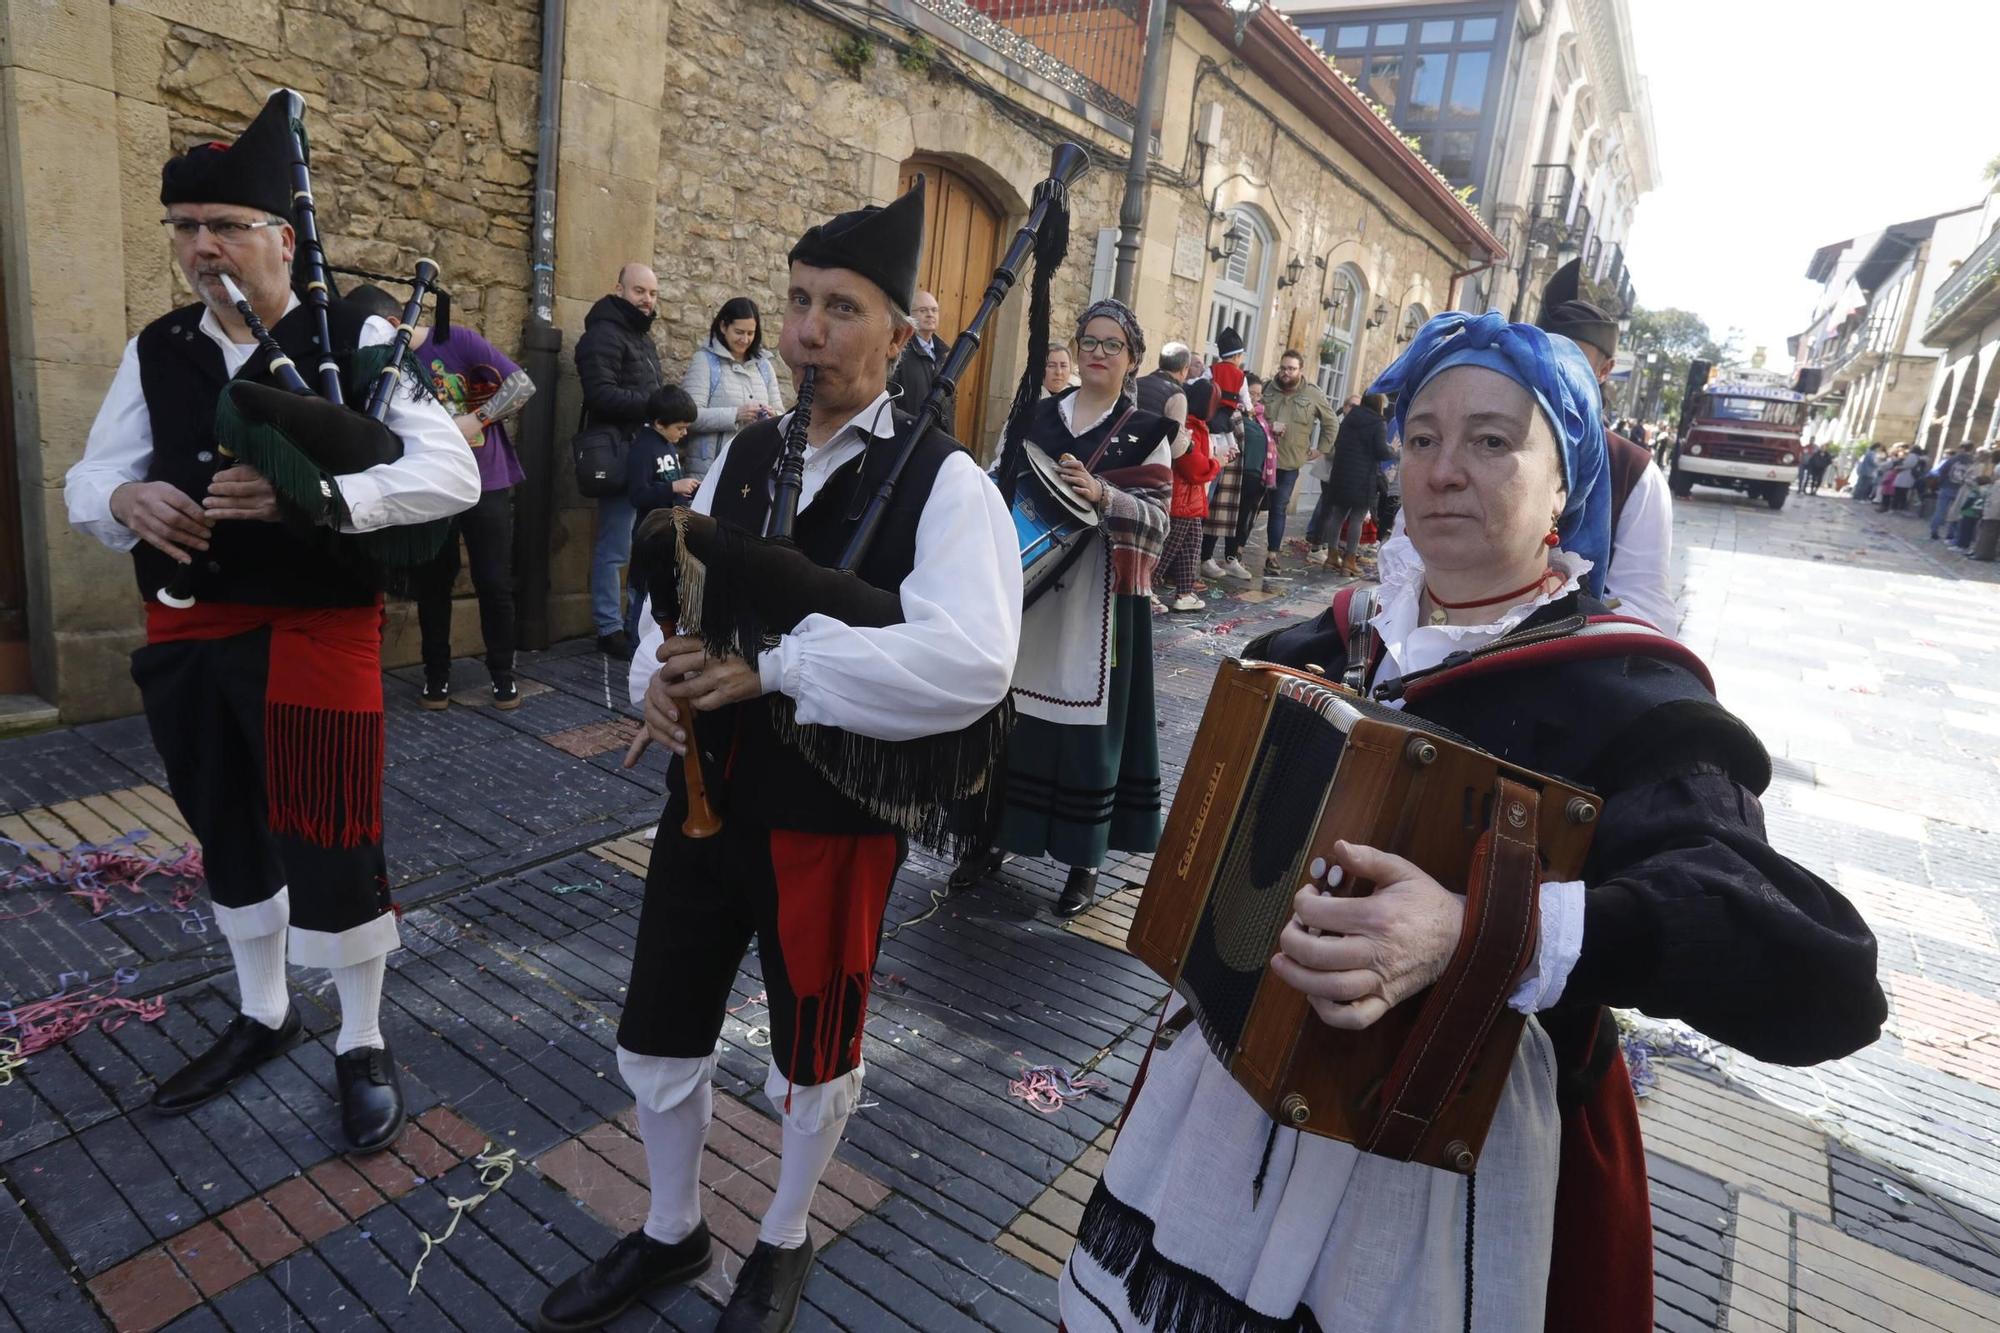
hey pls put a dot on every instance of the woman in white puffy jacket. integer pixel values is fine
(732, 380)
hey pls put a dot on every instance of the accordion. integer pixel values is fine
(1285, 765)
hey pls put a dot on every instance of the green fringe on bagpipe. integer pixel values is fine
(392, 551)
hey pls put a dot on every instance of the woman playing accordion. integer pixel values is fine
(1209, 1213)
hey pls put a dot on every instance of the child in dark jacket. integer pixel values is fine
(654, 479)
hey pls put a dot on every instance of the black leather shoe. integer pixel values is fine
(1079, 892)
(597, 1294)
(243, 1045)
(766, 1299)
(975, 867)
(616, 644)
(371, 1099)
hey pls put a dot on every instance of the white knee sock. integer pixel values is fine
(360, 989)
(804, 1162)
(673, 1140)
(260, 976)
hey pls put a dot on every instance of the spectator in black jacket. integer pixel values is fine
(655, 478)
(1360, 447)
(620, 368)
(923, 356)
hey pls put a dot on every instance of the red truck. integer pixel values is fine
(1742, 435)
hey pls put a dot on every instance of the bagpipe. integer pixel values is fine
(303, 441)
(739, 591)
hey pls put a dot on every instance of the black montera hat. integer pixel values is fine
(883, 245)
(1564, 311)
(1228, 343)
(255, 171)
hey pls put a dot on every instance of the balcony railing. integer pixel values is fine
(1980, 269)
(1094, 49)
(1552, 192)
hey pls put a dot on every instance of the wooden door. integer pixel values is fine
(961, 246)
(14, 675)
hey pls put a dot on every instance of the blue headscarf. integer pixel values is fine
(1565, 388)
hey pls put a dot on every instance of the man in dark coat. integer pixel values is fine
(620, 368)
(923, 356)
(1360, 447)
(1156, 392)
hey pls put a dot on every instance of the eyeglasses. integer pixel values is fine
(226, 230)
(1108, 346)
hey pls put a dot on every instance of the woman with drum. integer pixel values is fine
(1210, 1213)
(1083, 765)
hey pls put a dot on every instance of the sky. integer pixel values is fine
(1783, 125)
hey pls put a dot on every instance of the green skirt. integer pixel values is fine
(1075, 793)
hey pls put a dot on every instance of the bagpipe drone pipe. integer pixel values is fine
(738, 591)
(303, 441)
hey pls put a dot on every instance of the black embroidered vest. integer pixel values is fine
(778, 788)
(269, 564)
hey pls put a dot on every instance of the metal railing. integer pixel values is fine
(1552, 192)
(1856, 342)
(1980, 267)
(1092, 48)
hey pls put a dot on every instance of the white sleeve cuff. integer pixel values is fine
(645, 661)
(1557, 951)
(362, 495)
(772, 665)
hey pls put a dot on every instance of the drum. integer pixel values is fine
(1051, 523)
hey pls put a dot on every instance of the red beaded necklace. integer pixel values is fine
(1437, 616)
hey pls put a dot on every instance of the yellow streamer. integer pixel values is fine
(10, 1059)
(493, 1168)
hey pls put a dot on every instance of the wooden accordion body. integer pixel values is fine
(1284, 765)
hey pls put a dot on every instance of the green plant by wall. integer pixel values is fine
(919, 55)
(854, 54)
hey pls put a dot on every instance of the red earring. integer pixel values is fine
(1553, 539)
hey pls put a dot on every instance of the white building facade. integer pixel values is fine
(1537, 105)
(1963, 322)
(1866, 339)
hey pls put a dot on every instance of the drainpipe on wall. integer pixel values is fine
(1460, 275)
(541, 344)
(1132, 212)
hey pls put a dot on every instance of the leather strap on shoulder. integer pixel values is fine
(1502, 923)
(1575, 640)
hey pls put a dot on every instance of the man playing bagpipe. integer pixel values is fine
(808, 846)
(261, 671)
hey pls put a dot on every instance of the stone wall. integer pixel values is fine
(769, 134)
(421, 115)
(1319, 202)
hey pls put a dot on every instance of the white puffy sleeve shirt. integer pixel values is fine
(949, 661)
(437, 476)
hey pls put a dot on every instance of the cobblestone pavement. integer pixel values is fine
(1860, 1195)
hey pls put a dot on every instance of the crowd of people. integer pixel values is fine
(928, 696)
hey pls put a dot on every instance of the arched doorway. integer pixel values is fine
(961, 246)
(1343, 331)
(1239, 287)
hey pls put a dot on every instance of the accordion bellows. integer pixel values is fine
(1284, 766)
